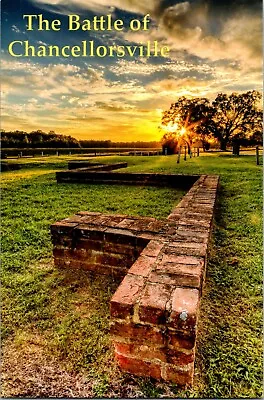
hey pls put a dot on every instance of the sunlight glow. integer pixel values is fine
(176, 128)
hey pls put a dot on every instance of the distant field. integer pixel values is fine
(55, 323)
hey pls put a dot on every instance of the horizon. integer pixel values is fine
(214, 47)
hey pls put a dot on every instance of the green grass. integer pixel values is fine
(63, 315)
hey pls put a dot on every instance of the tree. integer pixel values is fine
(235, 117)
(170, 144)
(38, 138)
(184, 119)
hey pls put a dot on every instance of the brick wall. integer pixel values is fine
(154, 312)
(84, 169)
(97, 243)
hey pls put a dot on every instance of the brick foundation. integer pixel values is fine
(154, 312)
(78, 170)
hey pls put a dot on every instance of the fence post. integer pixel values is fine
(257, 155)
(198, 151)
(179, 156)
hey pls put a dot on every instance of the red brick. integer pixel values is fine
(153, 248)
(110, 247)
(202, 208)
(142, 266)
(63, 227)
(170, 257)
(180, 376)
(200, 202)
(59, 252)
(174, 216)
(113, 260)
(152, 305)
(92, 232)
(170, 230)
(119, 236)
(201, 224)
(61, 240)
(178, 275)
(199, 215)
(125, 223)
(188, 248)
(187, 234)
(146, 237)
(179, 358)
(139, 225)
(192, 227)
(114, 220)
(179, 341)
(123, 300)
(81, 254)
(137, 333)
(139, 367)
(141, 351)
(163, 278)
(89, 219)
(155, 226)
(102, 220)
(184, 309)
(89, 244)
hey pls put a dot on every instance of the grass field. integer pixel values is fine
(55, 323)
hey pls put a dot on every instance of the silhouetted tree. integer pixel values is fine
(236, 117)
(230, 119)
(183, 119)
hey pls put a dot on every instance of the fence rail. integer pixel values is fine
(36, 152)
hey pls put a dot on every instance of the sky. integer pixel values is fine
(215, 46)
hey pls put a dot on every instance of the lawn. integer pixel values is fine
(56, 323)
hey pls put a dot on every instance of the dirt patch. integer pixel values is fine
(28, 372)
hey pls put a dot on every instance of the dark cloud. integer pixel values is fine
(204, 16)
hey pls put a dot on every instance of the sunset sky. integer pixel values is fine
(215, 47)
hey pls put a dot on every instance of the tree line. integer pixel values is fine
(229, 120)
(39, 139)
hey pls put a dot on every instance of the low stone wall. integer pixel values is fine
(154, 312)
(155, 309)
(83, 175)
(7, 166)
(97, 243)
(79, 174)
